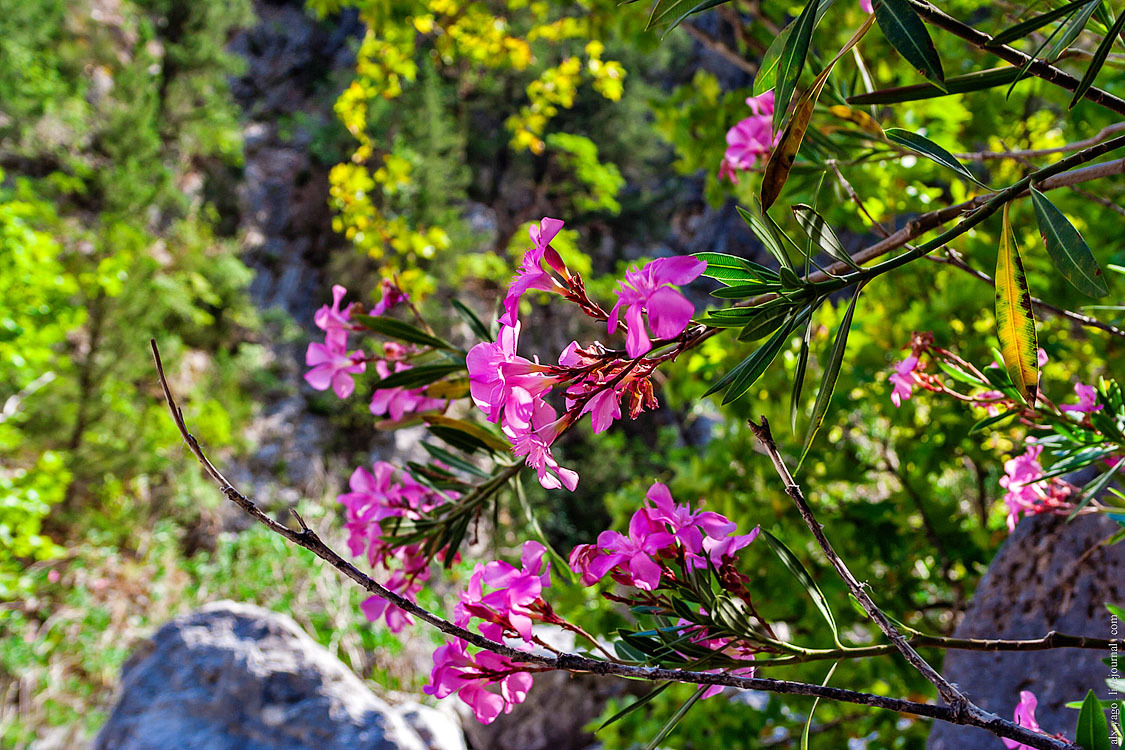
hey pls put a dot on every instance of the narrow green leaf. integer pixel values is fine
(744, 291)
(672, 722)
(677, 10)
(962, 84)
(831, 375)
(907, 34)
(418, 376)
(638, 703)
(562, 565)
(794, 566)
(821, 234)
(1095, 488)
(1069, 252)
(476, 325)
(456, 462)
(1072, 29)
(731, 268)
(799, 377)
(930, 150)
(1096, 63)
(1092, 732)
(1023, 28)
(480, 434)
(751, 368)
(396, 329)
(987, 422)
(1118, 612)
(792, 61)
(1015, 319)
(766, 236)
(812, 711)
(766, 78)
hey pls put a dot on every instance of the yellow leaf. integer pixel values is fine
(1015, 320)
(859, 117)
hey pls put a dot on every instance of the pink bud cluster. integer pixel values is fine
(506, 600)
(511, 389)
(661, 537)
(377, 501)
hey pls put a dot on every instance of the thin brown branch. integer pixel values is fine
(950, 694)
(953, 258)
(927, 222)
(1101, 135)
(719, 47)
(308, 539)
(1037, 68)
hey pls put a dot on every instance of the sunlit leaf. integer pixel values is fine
(831, 375)
(792, 61)
(821, 234)
(1092, 732)
(930, 150)
(1023, 28)
(1015, 319)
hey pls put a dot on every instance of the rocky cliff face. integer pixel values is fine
(1047, 576)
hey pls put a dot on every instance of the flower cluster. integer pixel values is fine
(1024, 715)
(1027, 492)
(506, 600)
(660, 535)
(511, 389)
(377, 501)
(332, 364)
(666, 541)
(751, 139)
(470, 676)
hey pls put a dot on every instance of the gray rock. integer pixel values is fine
(440, 730)
(238, 677)
(1041, 580)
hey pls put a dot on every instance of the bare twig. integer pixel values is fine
(1101, 135)
(953, 258)
(719, 47)
(1037, 68)
(309, 540)
(949, 693)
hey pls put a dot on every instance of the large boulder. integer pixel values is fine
(1044, 578)
(238, 677)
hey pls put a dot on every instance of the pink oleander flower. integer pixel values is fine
(750, 139)
(903, 379)
(469, 676)
(374, 497)
(535, 441)
(531, 274)
(1028, 493)
(392, 295)
(1087, 400)
(514, 592)
(630, 557)
(335, 323)
(505, 385)
(1024, 716)
(332, 365)
(650, 290)
(865, 6)
(398, 402)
